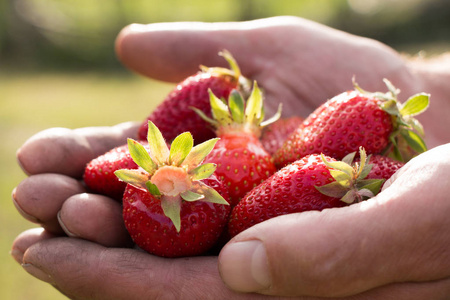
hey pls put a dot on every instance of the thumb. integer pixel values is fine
(398, 236)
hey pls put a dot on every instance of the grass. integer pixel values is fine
(32, 102)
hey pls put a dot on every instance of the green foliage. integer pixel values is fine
(30, 102)
(80, 34)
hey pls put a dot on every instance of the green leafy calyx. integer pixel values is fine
(350, 184)
(407, 138)
(238, 115)
(233, 72)
(173, 174)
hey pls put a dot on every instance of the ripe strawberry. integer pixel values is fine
(174, 115)
(274, 135)
(242, 162)
(173, 206)
(99, 173)
(356, 119)
(314, 182)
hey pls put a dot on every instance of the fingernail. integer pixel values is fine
(38, 273)
(137, 27)
(19, 162)
(64, 227)
(17, 255)
(244, 266)
(21, 211)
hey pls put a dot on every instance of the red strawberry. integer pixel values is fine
(242, 162)
(99, 173)
(173, 206)
(174, 115)
(356, 119)
(274, 135)
(201, 223)
(314, 182)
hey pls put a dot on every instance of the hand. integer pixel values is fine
(94, 260)
(358, 250)
(298, 62)
(55, 160)
(86, 268)
(393, 246)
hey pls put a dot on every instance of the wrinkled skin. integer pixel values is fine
(393, 246)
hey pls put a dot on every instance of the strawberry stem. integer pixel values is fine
(350, 185)
(238, 116)
(405, 126)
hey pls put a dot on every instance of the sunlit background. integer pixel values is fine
(58, 68)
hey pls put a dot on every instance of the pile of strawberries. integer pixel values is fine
(227, 168)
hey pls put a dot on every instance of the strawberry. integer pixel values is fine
(99, 173)
(242, 162)
(173, 205)
(174, 116)
(353, 119)
(314, 182)
(274, 135)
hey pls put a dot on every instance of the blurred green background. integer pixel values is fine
(58, 67)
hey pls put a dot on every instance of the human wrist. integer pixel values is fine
(433, 73)
(432, 76)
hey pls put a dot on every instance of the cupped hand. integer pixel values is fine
(378, 249)
(393, 246)
(299, 63)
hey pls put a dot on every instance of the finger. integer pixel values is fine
(173, 51)
(65, 151)
(84, 270)
(95, 218)
(26, 239)
(398, 236)
(38, 198)
(176, 49)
